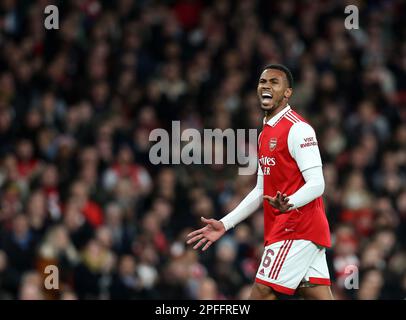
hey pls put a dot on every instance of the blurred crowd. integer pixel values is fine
(77, 189)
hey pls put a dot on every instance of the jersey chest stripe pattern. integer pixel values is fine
(289, 120)
(293, 116)
(277, 258)
(282, 117)
(283, 259)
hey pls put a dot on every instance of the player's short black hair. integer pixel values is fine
(282, 68)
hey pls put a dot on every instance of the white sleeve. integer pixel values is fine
(302, 144)
(247, 206)
(312, 189)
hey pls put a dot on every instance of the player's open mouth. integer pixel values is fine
(266, 96)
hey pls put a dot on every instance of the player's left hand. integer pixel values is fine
(280, 201)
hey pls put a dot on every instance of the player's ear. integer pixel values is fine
(288, 93)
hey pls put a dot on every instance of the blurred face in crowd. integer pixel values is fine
(50, 176)
(93, 254)
(104, 236)
(30, 287)
(226, 252)
(89, 155)
(30, 292)
(125, 156)
(207, 290)
(3, 261)
(371, 285)
(68, 295)
(127, 266)
(48, 102)
(372, 256)
(37, 205)
(59, 237)
(33, 119)
(5, 120)
(73, 218)
(10, 167)
(25, 150)
(273, 90)
(114, 215)
(79, 193)
(20, 226)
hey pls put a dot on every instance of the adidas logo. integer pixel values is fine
(262, 272)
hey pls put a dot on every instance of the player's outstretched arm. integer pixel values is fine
(213, 231)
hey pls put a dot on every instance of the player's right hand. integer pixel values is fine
(213, 231)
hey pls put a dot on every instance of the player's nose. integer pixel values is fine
(265, 86)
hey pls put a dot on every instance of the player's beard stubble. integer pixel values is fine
(273, 108)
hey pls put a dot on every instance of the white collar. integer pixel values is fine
(271, 122)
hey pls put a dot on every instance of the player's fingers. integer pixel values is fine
(286, 207)
(208, 244)
(271, 201)
(200, 243)
(286, 200)
(194, 233)
(194, 239)
(208, 221)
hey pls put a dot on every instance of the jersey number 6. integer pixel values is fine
(267, 259)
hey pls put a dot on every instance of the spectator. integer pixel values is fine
(126, 284)
(20, 244)
(58, 250)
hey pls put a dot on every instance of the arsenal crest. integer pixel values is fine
(272, 143)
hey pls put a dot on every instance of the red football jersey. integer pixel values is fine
(283, 154)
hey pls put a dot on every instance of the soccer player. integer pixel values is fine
(289, 184)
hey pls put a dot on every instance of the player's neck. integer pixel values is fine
(271, 113)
